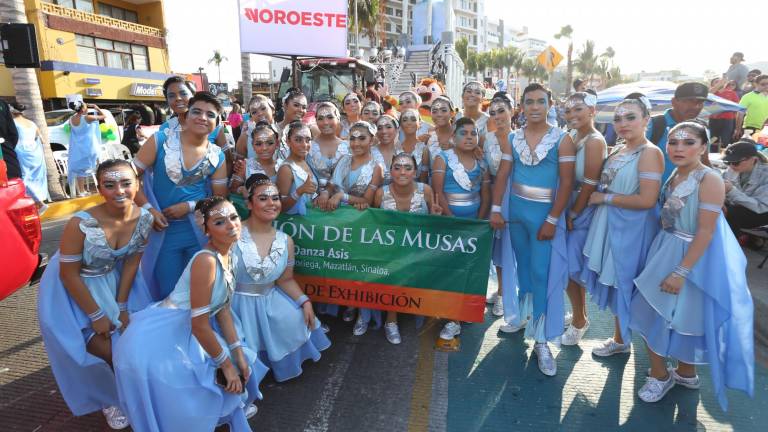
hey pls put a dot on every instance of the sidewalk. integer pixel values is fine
(65, 208)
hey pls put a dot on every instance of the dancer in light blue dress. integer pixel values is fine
(461, 191)
(352, 108)
(297, 182)
(410, 100)
(442, 137)
(179, 169)
(88, 290)
(590, 154)
(497, 150)
(355, 180)
(29, 151)
(260, 110)
(404, 194)
(540, 187)
(166, 362)
(263, 145)
(294, 109)
(410, 124)
(326, 150)
(84, 146)
(692, 301)
(625, 222)
(273, 315)
(386, 147)
(472, 96)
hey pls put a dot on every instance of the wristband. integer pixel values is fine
(495, 209)
(235, 345)
(608, 199)
(191, 205)
(96, 315)
(345, 198)
(147, 206)
(301, 300)
(221, 358)
(681, 271)
(236, 177)
(123, 307)
(551, 219)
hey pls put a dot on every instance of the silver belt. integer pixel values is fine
(463, 199)
(95, 272)
(253, 289)
(533, 193)
(682, 235)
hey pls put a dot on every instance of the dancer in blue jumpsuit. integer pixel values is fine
(542, 181)
(88, 290)
(461, 191)
(179, 169)
(166, 362)
(692, 301)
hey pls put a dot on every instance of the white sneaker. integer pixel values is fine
(567, 319)
(250, 411)
(392, 333)
(573, 335)
(115, 418)
(498, 307)
(325, 328)
(610, 347)
(450, 330)
(512, 328)
(360, 326)
(349, 314)
(546, 361)
(654, 390)
(492, 298)
(692, 383)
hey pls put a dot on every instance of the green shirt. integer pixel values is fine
(757, 109)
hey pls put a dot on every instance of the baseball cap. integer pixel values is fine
(740, 151)
(691, 90)
(738, 54)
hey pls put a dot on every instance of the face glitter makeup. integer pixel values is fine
(115, 175)
(224, 211)
(682, 134)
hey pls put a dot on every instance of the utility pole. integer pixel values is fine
(357, 33)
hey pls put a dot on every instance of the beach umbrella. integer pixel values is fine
(660, 94)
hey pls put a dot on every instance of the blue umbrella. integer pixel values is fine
(660, 94)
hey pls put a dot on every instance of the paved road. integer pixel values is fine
(366, 384)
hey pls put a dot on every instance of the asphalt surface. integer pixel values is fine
(366, 384)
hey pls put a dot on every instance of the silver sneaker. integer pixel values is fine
(492, 298)
(250, 411)
(498, 307)
(392, 333)
(567, 319)
(349, 314)
(610, 347)
(573, 335)
(513, 328)
(115, 418)
(692, 383)
(360, 327)
(654, 390)
(450, 330)
(547, 364)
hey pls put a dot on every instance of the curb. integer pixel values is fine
(61, 209)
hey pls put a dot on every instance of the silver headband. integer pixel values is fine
(223, 211)
(114, 175)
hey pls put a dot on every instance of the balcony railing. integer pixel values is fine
(52, 9)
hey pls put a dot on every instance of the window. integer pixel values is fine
(111, 54)
(389, 11)
(83, 5)
(399, 29)
(118, 13)
(388, 27)
(399, 13)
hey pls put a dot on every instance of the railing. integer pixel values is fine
(65, 12)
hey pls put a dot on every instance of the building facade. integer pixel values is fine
(111, 52)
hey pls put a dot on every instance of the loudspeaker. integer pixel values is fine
(19, 44)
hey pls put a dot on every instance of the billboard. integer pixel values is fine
(293, 27)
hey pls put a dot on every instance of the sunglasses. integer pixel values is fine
(733, 163)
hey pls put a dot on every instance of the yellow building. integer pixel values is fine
(110, 51)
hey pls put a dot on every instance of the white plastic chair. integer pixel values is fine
(61, 157)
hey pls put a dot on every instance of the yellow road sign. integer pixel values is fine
(549, 58)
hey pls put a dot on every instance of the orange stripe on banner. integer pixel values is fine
(419, 301)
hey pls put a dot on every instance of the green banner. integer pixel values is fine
(421, 264)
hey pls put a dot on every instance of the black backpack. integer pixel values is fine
(658, 127)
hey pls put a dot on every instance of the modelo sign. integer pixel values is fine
(146, 89)
(294, 27)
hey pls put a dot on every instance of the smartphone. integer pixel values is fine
(221, 380)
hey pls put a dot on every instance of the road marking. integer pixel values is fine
(438, 408)
(321, 414)
(418, 420)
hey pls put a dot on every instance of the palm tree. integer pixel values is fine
(27, 92)
(567, 32)
(528, 69)
(364, 17)
(217, 60)
(586, 60)
(462, 48)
